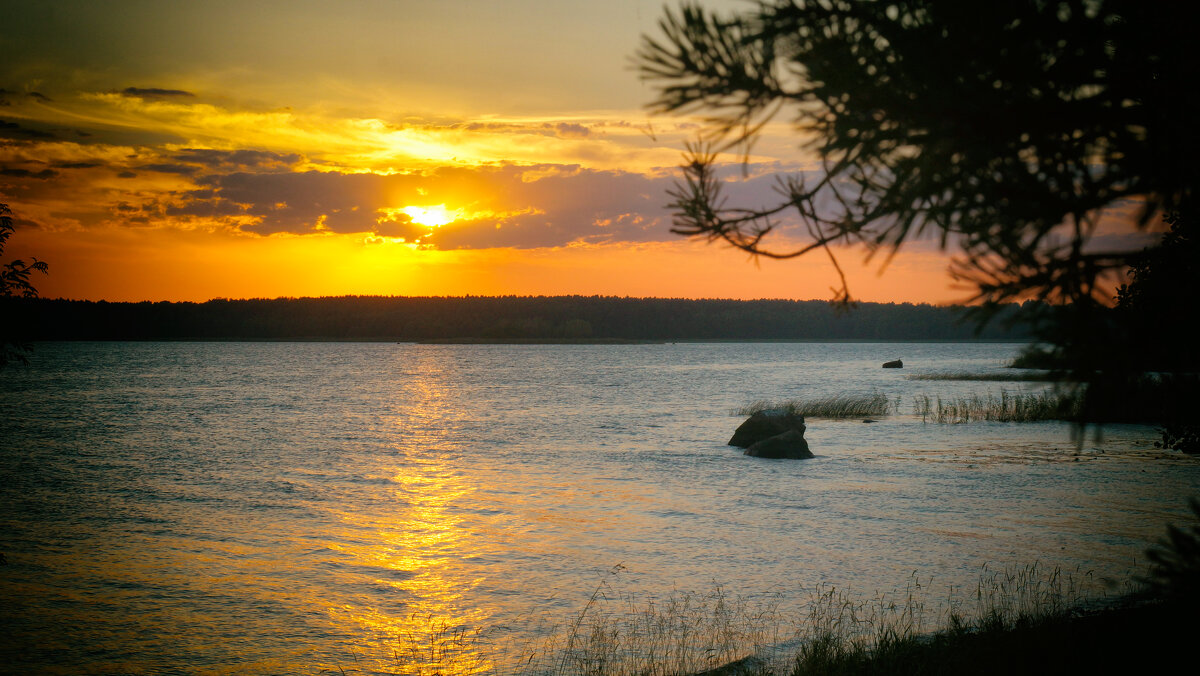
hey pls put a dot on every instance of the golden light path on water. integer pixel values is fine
(440, 523)
(423, 544)
(419, 541)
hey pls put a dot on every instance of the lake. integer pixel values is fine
(298, 507)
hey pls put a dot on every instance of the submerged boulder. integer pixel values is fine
(764, 425)
(897, 364)
(790, 445)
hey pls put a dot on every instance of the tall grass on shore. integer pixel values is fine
(687, 633)
(842, 632)
(440, 647)
(613, 635)
(1020, 407)
(695, 633)
(836, 406)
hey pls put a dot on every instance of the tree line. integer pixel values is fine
(565, 318)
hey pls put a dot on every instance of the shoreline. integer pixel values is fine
(541, 341)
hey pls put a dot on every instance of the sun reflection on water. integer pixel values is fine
(413, 543)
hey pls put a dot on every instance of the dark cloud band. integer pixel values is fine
(156, 93)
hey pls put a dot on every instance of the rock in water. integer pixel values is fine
(893, 364)
(764, 425)
(789, 445)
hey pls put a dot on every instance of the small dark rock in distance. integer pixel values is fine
(893, 364)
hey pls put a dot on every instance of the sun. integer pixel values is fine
(432, 216)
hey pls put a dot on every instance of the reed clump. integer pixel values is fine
(1019, 407)
(836, 406)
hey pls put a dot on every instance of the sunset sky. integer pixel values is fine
(186, 151)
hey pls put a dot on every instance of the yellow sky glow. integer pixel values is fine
(116, 264)
(375, 150)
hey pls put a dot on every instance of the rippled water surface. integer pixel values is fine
(293, 507)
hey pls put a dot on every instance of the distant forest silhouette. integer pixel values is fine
(506, 318)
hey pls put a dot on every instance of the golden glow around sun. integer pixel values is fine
(432, 216)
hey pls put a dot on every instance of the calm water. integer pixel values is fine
(286, 508)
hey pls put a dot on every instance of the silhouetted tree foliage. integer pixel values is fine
(1003, 130)
(508, 318)
(1175, 562)
(1161, 288)
(14, 282)
(1161, 291)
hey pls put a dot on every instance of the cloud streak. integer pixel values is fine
(156, 93)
